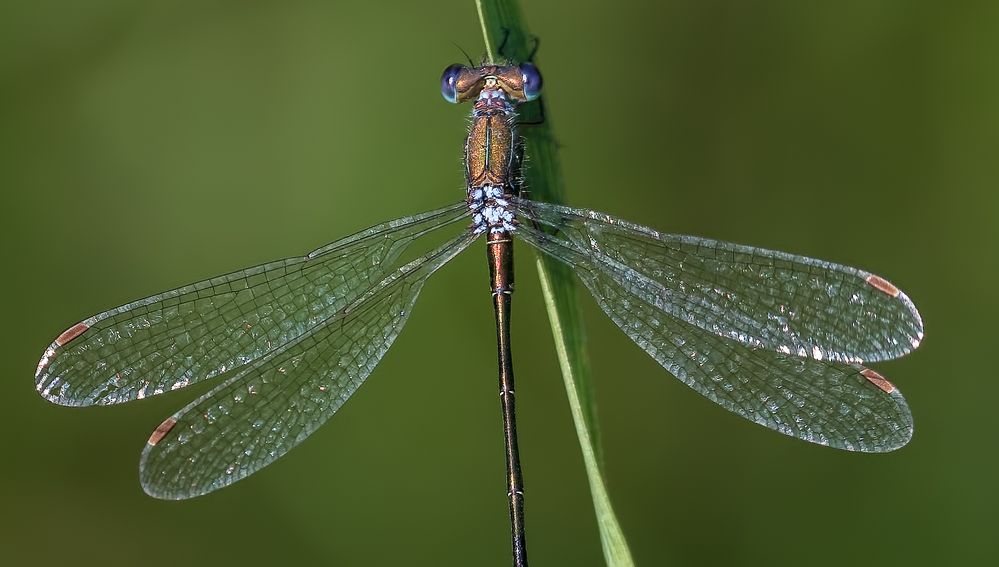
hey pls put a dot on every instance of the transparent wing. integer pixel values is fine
(845, 406)
(761, 298)
(186, 335)
(273, 404)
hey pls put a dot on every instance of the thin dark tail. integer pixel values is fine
(499, 250)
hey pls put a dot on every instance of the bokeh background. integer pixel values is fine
(145, 145)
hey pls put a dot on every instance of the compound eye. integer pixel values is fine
(449, 82)
(532, 80)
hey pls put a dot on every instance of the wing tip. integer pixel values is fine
(44, 382)
(903, 437)
(916, 331)
(154, 479)
(44, 361)
(146, 474)
(153, 491)
(903, 419)
(52, 388)
(903, 441)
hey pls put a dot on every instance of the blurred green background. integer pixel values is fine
(146, 145)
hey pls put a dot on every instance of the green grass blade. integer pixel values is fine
(499, 19)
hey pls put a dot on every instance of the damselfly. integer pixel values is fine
(776, 338)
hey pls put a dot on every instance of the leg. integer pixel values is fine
(502, 46)
(541, 115)
(506, 39)
(534, 50)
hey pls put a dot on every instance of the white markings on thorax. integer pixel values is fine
(491, 211)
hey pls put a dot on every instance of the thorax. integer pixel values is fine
(492, 146)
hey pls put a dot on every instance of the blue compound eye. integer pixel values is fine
(532, 80)
(449, 82)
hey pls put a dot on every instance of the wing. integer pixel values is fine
(273, 404)
(186, 335)
(846, 406)
(761, 298)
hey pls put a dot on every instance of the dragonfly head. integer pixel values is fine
(520, 83)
